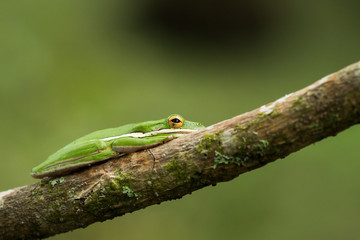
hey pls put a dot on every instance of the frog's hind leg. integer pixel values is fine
(73, 157)
(131, 144)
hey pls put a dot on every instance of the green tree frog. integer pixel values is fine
(113, 142)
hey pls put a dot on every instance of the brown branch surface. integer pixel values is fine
(218, 153)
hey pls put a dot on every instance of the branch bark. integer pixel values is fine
(218, 153)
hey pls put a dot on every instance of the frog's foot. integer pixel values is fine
(169, 138)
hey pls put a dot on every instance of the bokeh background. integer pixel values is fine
(71, 67)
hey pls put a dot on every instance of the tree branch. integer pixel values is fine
(218, 153)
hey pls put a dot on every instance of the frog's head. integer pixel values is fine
(176, 121)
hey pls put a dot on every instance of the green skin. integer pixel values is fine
(109, 143)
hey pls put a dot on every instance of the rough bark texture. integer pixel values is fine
(218, 153)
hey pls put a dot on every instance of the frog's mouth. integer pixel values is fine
(152, 133)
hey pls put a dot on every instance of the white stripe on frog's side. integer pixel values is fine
(149, 134)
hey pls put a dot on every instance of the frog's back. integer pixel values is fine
(112, 132)
(100, 134)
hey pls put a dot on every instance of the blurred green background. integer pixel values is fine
(71, 67)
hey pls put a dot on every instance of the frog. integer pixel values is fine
(102, 145)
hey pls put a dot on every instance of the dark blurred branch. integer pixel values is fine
(218, 153)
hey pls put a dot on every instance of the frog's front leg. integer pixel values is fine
(73, 157)
(132, 144)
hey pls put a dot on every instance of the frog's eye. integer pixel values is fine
(175, 121)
